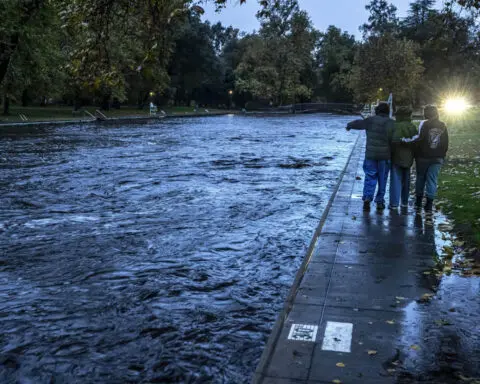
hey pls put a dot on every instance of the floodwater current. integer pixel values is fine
(156, 253)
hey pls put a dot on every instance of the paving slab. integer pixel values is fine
(357, 311)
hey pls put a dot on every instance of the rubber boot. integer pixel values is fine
(429, 205)
(418, 202)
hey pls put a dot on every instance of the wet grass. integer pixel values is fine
(56, 113)
(459, 185)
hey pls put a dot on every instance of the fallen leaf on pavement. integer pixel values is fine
(442, 322)
(415, 347)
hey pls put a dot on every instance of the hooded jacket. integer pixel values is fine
(431, 141)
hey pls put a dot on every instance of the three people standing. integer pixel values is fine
(392, 146)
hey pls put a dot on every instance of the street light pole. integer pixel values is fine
(230, 95)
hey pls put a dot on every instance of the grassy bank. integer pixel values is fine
(459, 192)
(54, 113)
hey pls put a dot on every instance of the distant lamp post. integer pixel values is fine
(152, 94)
(380, 94)
(230, 94)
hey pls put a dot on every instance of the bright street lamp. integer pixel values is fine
(455, 105)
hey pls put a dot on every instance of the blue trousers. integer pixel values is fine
(427, 176)
(399, 185)
(376, 172)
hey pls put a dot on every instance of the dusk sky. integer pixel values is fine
(346, 14)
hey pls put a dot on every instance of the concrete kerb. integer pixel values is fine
(278, 326)
(113, 120)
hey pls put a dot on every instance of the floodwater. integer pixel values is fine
(156, 253)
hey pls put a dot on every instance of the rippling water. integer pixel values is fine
(155, 253)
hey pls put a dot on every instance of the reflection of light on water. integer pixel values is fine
(412, 332)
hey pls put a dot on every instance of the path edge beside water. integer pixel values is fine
(278, 326)
(113, 120)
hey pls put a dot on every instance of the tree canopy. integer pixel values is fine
(106, 52)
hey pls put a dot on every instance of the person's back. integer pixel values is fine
(379, 131)
(402, 158)
(432, 147)
(433, 143)
(402, 153)
(379, 137)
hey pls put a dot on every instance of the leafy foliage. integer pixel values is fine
(386, 64)
(334, 58)
(383, 19)
(98, 51)
(279, 58)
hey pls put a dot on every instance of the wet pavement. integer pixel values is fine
(374, 303)
(159, 252)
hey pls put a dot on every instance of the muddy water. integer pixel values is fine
(155, 253)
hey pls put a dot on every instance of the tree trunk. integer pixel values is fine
(7, 52)
(106, 103)
(6, 105)
(25, 98)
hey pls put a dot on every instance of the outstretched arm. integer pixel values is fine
(416, 137)
(357, 125)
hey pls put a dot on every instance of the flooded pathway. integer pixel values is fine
(155, 253)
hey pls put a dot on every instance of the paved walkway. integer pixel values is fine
(357, 314)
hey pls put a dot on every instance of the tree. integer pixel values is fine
(334, 58)
(384, 65)
(382, 19)
(16, 17)
(194, 65)
(35, 66)
(468, 3)
(447, 46)
(278, 61)
(93, 26)
(419, 12)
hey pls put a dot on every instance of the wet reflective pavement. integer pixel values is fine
(373, 306)
(155, 253)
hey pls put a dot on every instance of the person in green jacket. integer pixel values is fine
(402, 158)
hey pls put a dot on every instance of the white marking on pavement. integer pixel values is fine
(303, 332)
(338, 337)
